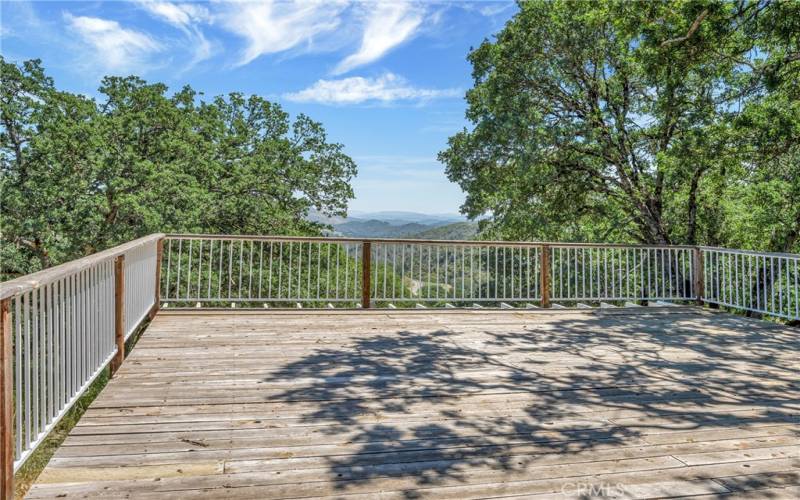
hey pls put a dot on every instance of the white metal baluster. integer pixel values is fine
(289, 269)
(572, 256)
(230, 269)
(772, 284)
(189, 272)
(328, 271)
(604, 269)
(241, 268)
(310, 268)
(165, 292)
(318, 246)
(619, 255)
(402, 271)
(338, 253)
(178, 274)
(429, 253)
(748, 286)
(260, 267)
(780, 286)
(590, 251)
(199, 270)
(375, 257)
(210, 266)
(29, 358)
(219, 271)
(249, 271)
(19, 360)
(36, 362)
(269, 273)
(796, 292)
(445, 274)
(357, 249)
(387, 273)
(50, 353)
(70, 337)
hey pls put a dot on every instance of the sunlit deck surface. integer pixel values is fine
(638, 403)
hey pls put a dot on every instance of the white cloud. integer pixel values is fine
(276, 26)
(387, 25)
(185, 17)
(354, 90)
(181, 15)
(116, 48)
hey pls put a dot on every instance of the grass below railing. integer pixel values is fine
(30, 470)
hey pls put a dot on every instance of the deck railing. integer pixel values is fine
(321, 271)
(61, 327)
(765, 283)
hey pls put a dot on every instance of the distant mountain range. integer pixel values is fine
(400, 225)
(397, 217)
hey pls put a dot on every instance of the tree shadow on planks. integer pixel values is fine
(521, 404)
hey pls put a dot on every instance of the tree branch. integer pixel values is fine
(688, 35)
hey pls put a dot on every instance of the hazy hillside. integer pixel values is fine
(397, 217)
(455, 231)
(398, 225)
(378, 228)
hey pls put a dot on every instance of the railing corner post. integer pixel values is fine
(366, 270)
(157, 299)
(545, 275)
(699, 274)
(119, 313)
(6, 405)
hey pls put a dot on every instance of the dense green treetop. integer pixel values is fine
(80, 175)
(656, 122)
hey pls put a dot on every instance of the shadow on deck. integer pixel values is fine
(642, 403)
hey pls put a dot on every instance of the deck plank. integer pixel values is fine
(450, 404)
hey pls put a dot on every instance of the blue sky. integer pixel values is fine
(387, 79)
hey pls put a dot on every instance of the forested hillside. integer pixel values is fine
(82, 174)
(454, 231)
(651, 122)
(377, 228)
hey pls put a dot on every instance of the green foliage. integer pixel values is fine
(656, 122)
(80, 175)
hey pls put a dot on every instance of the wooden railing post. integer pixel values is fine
(366, 271)
(119, 313)
(699, 276)
(7, 408)
(545, 275)
(157, 299)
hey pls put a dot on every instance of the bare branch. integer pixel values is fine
(688, 35)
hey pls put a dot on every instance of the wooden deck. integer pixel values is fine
(639, 403)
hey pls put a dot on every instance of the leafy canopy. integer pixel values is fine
(655, 122)
(80, 175)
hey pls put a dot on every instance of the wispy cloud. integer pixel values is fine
(271, 27)
(355, 90)
(387, 25)
(185, 17)
(180, 15)
(115, 48)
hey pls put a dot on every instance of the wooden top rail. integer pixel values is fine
(752, 252)
(337, 239)
(49, 275)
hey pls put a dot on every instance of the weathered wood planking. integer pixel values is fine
(456, 404)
